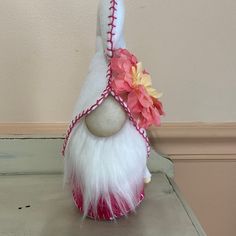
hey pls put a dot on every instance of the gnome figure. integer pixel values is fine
(106, 146)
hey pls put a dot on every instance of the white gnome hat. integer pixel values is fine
(105, 173)
(111, 23)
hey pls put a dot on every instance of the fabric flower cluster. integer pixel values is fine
(133, 84)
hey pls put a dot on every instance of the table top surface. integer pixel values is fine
(33, 205)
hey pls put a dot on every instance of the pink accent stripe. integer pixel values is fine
(103, 212)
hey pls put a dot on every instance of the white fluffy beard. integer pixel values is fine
(102, 166)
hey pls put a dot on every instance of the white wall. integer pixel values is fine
(188, 46)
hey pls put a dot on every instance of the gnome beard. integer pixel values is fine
(106, 173)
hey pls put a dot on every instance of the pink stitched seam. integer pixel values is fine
(111, 26)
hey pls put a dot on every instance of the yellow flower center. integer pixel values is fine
(140, 78)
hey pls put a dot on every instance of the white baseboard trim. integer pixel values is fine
(181, 141)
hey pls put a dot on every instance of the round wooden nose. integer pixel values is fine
(107, 119)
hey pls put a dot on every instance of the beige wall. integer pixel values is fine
(187, 45)
(209, 187)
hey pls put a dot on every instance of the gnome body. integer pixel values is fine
(105, 151)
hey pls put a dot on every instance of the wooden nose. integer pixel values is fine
(107, 119)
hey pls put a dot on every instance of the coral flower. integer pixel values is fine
(145, 109)
(143, 78)
(121, 66)
(134, 85)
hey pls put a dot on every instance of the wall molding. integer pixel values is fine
(181, 141)
(57, 129)
(196, 141)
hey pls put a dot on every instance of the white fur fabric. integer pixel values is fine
(103, 166)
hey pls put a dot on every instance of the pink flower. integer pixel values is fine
(158, 105)
(123, 61)
(133, 84)
(122, 84)
(121, 66)
(142, 107)
(138, 98)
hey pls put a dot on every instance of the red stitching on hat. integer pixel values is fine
(111, 26)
